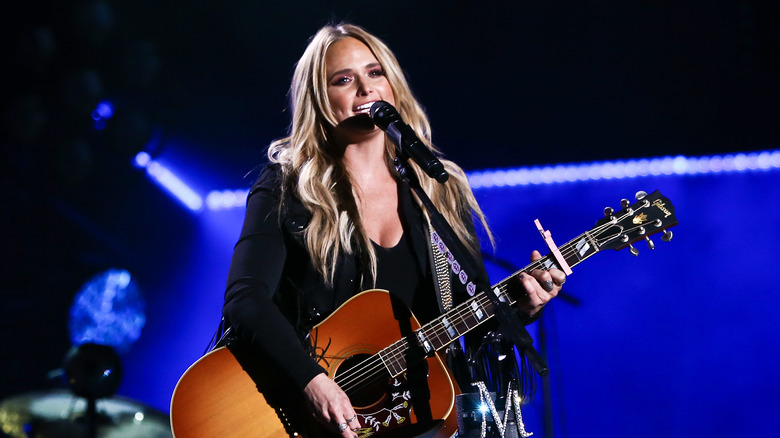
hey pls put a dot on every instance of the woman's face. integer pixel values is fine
(355, 80)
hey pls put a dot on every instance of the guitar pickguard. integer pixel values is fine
(384, 403)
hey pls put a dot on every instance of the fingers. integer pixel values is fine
(353, 424)
(548, 279)
(544, 278)
(349, 425)
(348, 428)
(558, 277)
(540, 287)
(331, 406)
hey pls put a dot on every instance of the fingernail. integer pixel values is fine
(548, 285)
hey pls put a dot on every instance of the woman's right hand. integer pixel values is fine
(331, 406)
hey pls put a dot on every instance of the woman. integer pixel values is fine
(329, 217)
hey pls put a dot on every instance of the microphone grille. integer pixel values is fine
(383, 114)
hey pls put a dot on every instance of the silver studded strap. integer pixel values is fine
(442, 274)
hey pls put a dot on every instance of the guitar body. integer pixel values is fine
(216, 397)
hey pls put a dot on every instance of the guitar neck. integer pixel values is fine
(649, 215)
(460, 320)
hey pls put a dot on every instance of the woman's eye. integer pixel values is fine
(342, 80)
(376, 72)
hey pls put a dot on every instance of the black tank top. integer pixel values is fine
(399, 273)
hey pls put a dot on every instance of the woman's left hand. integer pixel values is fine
(540, 287)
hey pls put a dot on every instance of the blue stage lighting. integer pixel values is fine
(142, 159)
(174, 185)
(107, 310)
(226, 199)
(679, 165)
(102, 112)
(551, 174)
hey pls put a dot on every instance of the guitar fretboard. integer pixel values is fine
(460, 320)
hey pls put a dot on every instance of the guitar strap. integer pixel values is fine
(442, 273)
(455, 357)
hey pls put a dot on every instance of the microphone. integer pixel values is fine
(387, 119)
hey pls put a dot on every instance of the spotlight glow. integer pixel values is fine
(174, 186)
(227, 199)
(679, 165)
(102, 112)
(142, 159)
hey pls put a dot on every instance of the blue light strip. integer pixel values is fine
(170, 182)
(762, 161)
(606, 170)
(226, 199)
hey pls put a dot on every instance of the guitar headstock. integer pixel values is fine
(650, 214)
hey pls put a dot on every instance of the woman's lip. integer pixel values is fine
(364, 108)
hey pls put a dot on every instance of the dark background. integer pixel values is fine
(505, 84)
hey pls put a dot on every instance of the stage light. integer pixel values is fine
(678, 165)
(107, 310)
(103, 111)
(226, 199)
(175, 186)
(142, 159)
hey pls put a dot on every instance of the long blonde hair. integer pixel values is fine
(317, 177)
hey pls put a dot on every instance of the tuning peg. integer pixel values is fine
(650, 243)
(640, 195)
(624, 203)
(667, 236)
(608, 211)
(634, 251)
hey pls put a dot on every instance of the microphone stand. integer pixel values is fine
(510, 324)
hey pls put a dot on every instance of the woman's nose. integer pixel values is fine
(363, 87)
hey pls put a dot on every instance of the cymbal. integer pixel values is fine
(59, 413)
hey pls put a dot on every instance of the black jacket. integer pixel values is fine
(275, 295)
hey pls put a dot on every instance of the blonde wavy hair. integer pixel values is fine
(312, 170)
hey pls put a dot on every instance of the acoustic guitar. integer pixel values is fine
(371, 353)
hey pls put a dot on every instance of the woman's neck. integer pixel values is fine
(376, 191)
(366, 163)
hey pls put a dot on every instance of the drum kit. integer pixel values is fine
(106, 315)
(62, 414)
(87, 408)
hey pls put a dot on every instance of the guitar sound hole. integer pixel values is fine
(366, 385)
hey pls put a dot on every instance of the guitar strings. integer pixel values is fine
(374, 367)
(370, 369)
